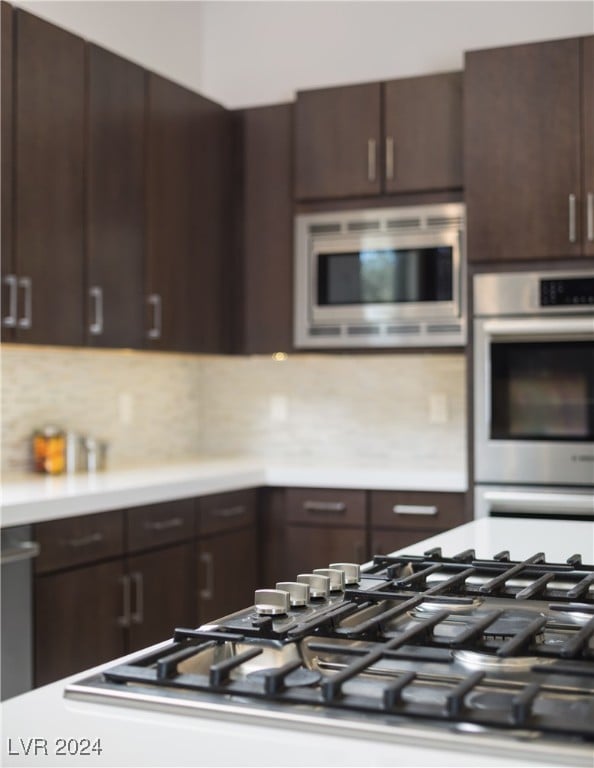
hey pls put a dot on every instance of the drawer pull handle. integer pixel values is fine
(325, 507)
(164, 525)
(227, 511)
(207, 592)
(10, 320)
(371, 160)
(389, 158)
(137, 616)
(413, 509)
(124, 619)
(27, 550)
(572, 218)
(85, 541)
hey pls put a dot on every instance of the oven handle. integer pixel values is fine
(542, 502)
(546, 326)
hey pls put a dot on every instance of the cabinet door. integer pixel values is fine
(384, 542)
(9, 285)
(78, 620)
(226, 573)
(423, 133)
(337, 142)
(309, 548)
(115, 209)
(161, 594)
(49, 187)
(588, 134)
(522, 151)
(185, 199)
(265, 318)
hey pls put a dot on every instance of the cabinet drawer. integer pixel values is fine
(77, 540)
(226, 511)
(157, 524)
(406, 509)
(323, 506)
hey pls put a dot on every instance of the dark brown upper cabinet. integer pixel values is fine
(423, 133)
(186, 193)
(526, 171)
(263, 297)
(337, 142)
(48, 244)
(9, 278)
(115, 200)
(379, 138)
(588, 137)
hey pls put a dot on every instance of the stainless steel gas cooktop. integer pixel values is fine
(435, 646)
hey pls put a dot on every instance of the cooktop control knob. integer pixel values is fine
(319, 585)
(298, 593)
(271, 602)
(336, 578)
(352, 572)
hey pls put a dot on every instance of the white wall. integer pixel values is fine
(262, 52)
(251, 52)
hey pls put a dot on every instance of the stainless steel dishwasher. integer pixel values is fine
(16, 560)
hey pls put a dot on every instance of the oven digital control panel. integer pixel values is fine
(561, 292)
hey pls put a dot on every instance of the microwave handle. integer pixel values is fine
(546, 326)
(539, 502)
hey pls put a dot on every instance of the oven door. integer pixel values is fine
(534, 400)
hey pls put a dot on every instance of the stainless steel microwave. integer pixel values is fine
(380, 277)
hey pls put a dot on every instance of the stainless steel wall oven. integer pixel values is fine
(534, 390)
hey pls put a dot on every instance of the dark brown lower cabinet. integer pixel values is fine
(76, 620)
(227, 573)
(310, 548)
(95, 613)
(401, 518)
(162, 587)
(110, 583)
(307, 528)
(227, 553)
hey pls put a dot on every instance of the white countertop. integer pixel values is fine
(35, 498)
(136, 737)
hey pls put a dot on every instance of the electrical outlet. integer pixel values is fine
(125, 408)
(438, 408)
(279, 409)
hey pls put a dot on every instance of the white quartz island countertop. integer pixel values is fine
(135, 737)
(35, 498)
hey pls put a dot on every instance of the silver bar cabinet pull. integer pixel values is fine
(389, 158)
(371, 160)
(85, 541)
(96, 294)
(590, 216)
(26, 550)
(124, 619)
(164, 525)
(324, 507)
(414, 509)
(572, 223)
(27, 286)
(137, 616)
(155, 301)
(207, 592)
(10, 320)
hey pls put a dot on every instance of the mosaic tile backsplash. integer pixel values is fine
(370, 410)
